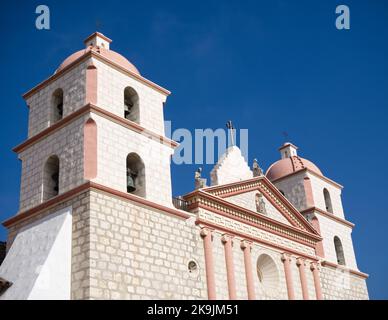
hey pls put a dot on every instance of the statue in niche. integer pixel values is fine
(257, 171)
(260, 203)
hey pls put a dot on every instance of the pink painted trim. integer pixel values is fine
(206, 235)
(253, 224)
(360, 274)
(288, 275)
(227, 241)
(108, 115)
(317, 281)
(99, 35)
(246, 247)
(288, 145)
(90, 149)
(91, 84)
(269, 185)
(328, 215)
(308, 191)
(311, 172)
(75, 115)
(303, 281)
(89, 54)
(88, 186)
(270, 244)
(319, 246)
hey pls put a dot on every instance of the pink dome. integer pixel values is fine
(286, 166)
(108, 54)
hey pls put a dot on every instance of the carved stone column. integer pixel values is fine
(303, 281)
(246, 246)
(287, 271)
(317, 282)
(227, 241)
(206, 235)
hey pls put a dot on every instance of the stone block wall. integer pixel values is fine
(115, 142)
(293, 189)
(330, 229)
(338, 284)
(67, 144)
(72, 83)
(110, 96)
(318, 185)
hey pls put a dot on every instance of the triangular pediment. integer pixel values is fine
(277, 207)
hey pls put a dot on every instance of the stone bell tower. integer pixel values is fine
(96, 135)
(319, 199)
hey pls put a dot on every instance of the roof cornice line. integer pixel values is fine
(87, 186)
(309, 171)
(85, 56)
(234, 232)
(329, 215)
(286, 207)
(215, 203)
(102, 112)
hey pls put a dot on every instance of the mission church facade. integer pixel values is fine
(97, 219)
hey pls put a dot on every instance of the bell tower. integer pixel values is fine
(96, 135)
(318, 198)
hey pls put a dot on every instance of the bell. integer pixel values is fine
(130, 184)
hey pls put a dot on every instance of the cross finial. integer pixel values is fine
(285, 135)
(230, 127)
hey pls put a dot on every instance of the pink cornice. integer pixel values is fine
(328, 215)
(311, 172)
(28, 214)
(244, 186)
(106, 114)
(360, 274)
(270, 244)
(252, 218)
(75, 115)
(90, 54)
(97, 34)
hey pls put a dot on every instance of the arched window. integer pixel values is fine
(328, 205)
(136, 175)
(131, 105)
(51, 178)
(339, 251)
(56, 106)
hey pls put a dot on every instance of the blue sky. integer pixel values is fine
(270, 66)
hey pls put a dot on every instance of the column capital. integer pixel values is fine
(246, 244)
(314, 266)
(285, 257)
(206, 232)
(226, 238)
(300, 262)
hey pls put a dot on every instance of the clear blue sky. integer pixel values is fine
(270, 66)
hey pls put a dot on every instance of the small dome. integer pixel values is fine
(106, 53)
(286, 166)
